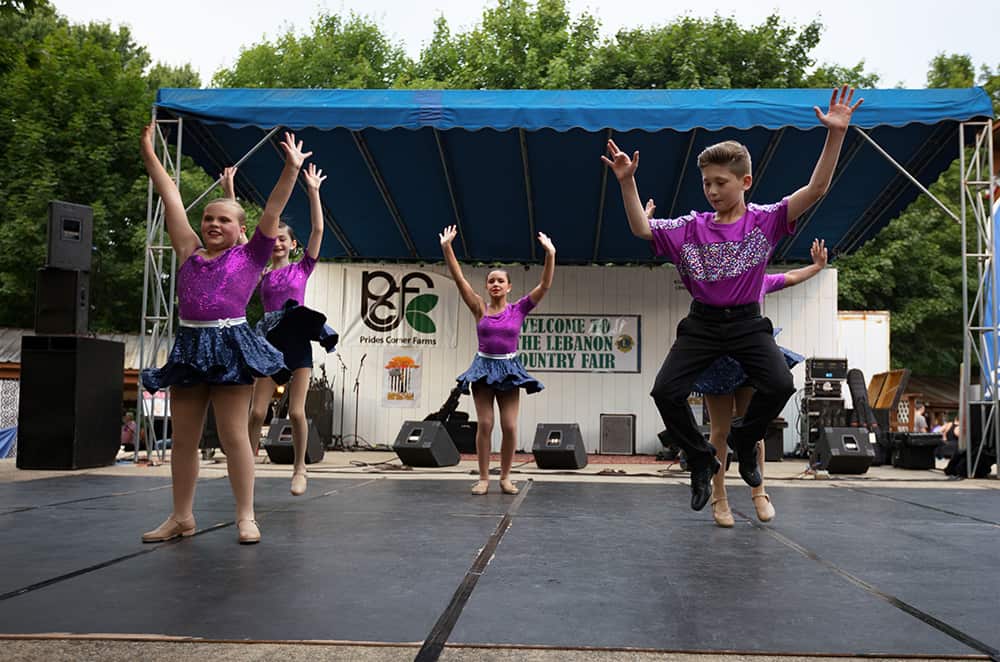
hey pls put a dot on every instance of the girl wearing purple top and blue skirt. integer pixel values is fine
(291, 327)
(721, 257)
(216, 356)
(496, 373)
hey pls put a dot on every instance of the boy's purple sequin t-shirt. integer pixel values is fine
(498, 333)
(280, 285)
(722, 264)
(221, 288)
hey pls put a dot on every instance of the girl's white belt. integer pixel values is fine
(497, 356)
(220, 324)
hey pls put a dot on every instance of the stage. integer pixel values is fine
(401, 565)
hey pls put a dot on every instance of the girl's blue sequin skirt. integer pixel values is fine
(215, 355)
(726, 374)
(499, 374)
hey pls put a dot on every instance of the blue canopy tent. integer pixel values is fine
(502, 165)
(505, 164)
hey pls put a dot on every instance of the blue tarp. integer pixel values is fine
(405, 163)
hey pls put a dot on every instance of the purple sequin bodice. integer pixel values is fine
(221, 288)
(498, 334)
(280, 285)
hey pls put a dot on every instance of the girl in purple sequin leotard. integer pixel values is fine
(291, 327)
(216, 355)
(496, 373)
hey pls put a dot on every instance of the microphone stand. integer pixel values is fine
(343, 388)
(357, 384)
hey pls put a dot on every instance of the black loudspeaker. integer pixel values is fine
(278, 444)
(319, 408)
(62, 299)
(559, 446)
(70, 236)
(462, 433)
(914, 450)
(425, 444)
(69, 414)
(843, 451)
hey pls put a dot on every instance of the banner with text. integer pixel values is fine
(580, 343)
(401, 377)
(399, 307)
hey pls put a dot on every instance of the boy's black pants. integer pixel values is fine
(702, 337)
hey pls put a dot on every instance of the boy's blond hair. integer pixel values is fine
(730, 154)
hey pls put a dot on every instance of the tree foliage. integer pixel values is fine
(913, 268)
(340, 52)
(71, 107)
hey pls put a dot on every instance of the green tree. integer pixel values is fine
(340, 52)
(913, 267)
(71, 106)
(516, 46)
(718, 52)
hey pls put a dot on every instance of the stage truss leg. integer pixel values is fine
(156, 330)
(979, 298)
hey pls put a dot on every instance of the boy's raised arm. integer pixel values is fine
(624, 169)
(836, 120)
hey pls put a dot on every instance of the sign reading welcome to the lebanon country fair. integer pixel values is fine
(580, 343)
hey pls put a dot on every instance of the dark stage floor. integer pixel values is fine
(841, 571)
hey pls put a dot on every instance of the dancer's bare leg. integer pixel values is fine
(297, 390)
(483, 396)
(231, 405)
(509, 403)
(189, 406)
(720, 411)
(263, 391)
(761, 499)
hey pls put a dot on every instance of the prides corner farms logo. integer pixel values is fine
(386, 303)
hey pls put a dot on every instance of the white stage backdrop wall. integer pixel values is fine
(806, 313)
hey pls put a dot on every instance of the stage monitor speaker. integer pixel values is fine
(617, 434)
(462, 433)
(70, 405)
(70, 236)
(425, 444)
(559, 446)
(62, 300)
(278, 444)
(843, 451)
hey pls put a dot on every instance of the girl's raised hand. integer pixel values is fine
(650, 208)
(293, 151)
(314, 177)
(448, 235)
(818, 252)
(228, 181)
(146, 140)
(839, 114)
(619, 162)
(546, 243)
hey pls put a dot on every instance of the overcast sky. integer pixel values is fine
(896, 38)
